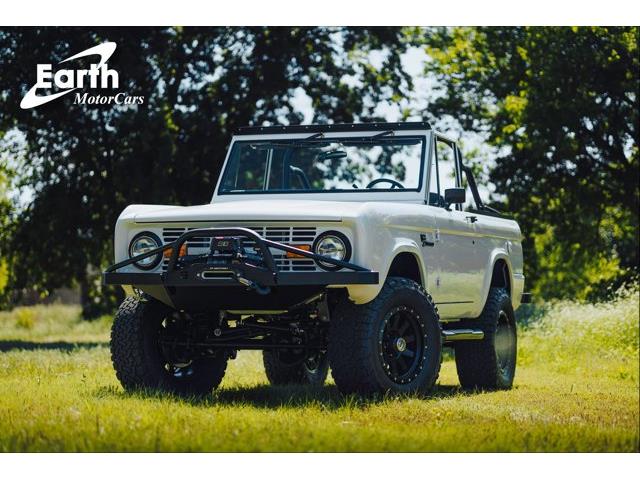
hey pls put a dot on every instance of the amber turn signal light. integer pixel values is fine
(306, 248)
(183, 251)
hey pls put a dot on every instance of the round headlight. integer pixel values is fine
(333, 245)
(142, 243)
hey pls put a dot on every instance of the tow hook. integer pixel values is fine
(253, 285)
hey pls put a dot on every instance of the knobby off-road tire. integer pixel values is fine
(312, 371)
(139, 362)
(371, 345)
(489, 364)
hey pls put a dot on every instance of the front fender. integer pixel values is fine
(360, 294)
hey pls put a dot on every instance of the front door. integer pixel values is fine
(455, 285)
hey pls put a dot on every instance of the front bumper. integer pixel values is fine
(283, 279)
(237, 281)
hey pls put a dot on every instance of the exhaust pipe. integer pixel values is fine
(462, 334)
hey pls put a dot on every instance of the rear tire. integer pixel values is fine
(489, 364)
(138, 359)
(311, 371)
(391, 344)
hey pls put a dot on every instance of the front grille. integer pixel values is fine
(283, 234)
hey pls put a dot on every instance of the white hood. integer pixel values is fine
(250, 210)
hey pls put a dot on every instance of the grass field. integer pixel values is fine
(576, 390)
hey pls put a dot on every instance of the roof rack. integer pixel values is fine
(334, 127)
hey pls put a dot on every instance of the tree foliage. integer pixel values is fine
(86, 163)
(561, 106)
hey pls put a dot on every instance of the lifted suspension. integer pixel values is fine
(247, 334)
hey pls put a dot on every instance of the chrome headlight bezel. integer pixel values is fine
(154, 260)
(340, 243)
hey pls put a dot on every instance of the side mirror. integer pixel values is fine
(453, 196)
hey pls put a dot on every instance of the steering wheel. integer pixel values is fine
(394, 183)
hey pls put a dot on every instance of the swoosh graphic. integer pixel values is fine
(104, 50)
(32, 100)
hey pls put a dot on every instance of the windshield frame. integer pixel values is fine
(420, 135)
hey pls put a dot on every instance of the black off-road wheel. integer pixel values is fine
(141, 362)
(283, 368)
(391, 344)
(489, 364)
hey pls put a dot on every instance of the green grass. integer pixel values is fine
(576, 390)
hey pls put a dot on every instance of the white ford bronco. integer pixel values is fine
(360, 247)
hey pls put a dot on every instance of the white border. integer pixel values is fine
(325, 12)
(319, 466)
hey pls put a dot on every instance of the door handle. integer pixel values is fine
(425, 242)
(471, 218)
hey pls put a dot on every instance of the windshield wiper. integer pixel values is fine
(377, 136)
(382, 134)
(315, 135)
(381, 141)
(293, 144)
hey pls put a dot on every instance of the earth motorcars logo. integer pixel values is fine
(70, 80)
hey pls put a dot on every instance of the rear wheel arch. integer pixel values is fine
(501, 275)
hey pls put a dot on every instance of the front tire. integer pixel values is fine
(391, 344)
(490, 364)
(139, 361)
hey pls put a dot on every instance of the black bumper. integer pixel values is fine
(282, 279)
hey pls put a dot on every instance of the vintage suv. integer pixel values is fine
(360, 247)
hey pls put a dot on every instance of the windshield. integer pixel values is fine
(345, 164)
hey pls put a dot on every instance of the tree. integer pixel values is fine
(561, 106)
(84, 163)
(5, 209)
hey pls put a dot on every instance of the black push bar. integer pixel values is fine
(262, 244)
